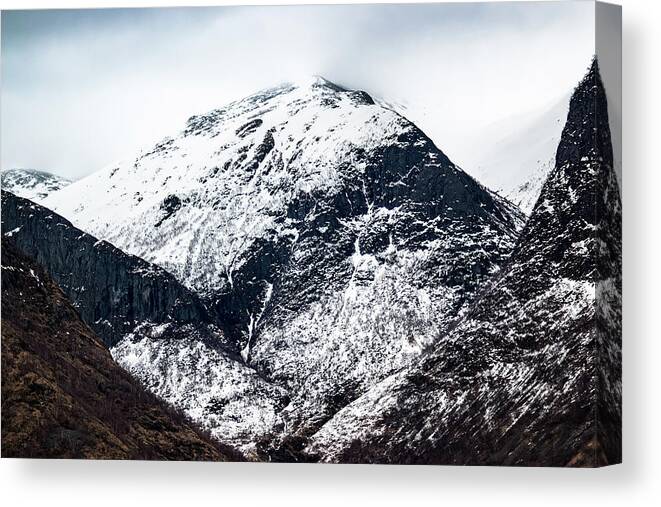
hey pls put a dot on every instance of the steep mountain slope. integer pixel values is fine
(113, 291)
(532, 375)
(30, 183)
(330, 235)
(153, 320)
(225, 396)
(62, 394)
(517, 154)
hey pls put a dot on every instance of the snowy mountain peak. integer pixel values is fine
(301, 100)
(232, 172)
(314, 81)
(330, 235)
(31, 183)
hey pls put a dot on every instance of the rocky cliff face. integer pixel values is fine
(114, 292)
(330, 235)
(531, 375)
(62, 394)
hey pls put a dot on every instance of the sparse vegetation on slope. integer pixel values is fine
(62, 394)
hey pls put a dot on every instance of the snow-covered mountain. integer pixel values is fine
(309, 277)
(516, 155)
(329, 234)
(532, 374)
(31, 184)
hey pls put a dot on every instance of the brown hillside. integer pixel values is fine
(63, 396)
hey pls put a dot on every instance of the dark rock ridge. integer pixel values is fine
(113, 291)
(532, 374)
(62, 394)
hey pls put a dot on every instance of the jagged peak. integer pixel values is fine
(583, 166)
(594, 66)
(303, 90)
(587, 115)
(592, 76)
(315, 81)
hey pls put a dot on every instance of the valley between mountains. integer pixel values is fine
(303, 275)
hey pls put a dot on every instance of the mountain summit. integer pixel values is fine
(231, 173)
(314, 80)
(330, 235)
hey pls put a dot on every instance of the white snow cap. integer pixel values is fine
(310, 81)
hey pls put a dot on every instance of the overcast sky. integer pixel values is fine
(84, 88)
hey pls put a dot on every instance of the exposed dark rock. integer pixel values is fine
(249, 128)
(433, 200)
(113, 291)
(169, 207)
